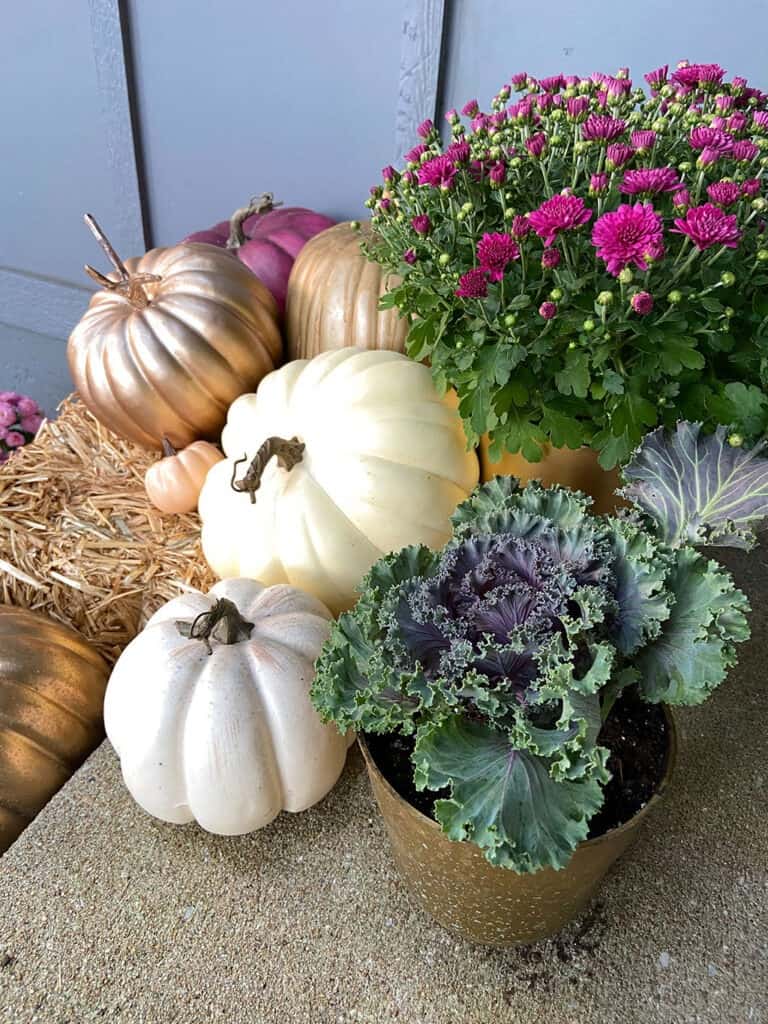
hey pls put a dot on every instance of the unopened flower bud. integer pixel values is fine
(659, 125)
(510, 319)
(605, 298)
(735, 440)
(760, 204)
(444, 259)
(556, 294)
(685, 166)
(588, 326)
(607, 335)
(729, 311)
(509, 215)
(571, 345)
(727, 279)
(762, 255)
(354, 225)
(675, 297)
(626, 276)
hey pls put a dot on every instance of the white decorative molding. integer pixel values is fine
(419, 79)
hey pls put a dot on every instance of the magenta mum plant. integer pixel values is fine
(20, 419)
(589, 260)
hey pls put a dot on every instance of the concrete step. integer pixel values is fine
(109, 915)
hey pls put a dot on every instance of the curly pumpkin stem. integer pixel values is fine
(223, 623)
(287, 453)
(129, 285)
(258, 204)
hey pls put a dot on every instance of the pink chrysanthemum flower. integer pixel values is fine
(384, 204)
(693, 75)
(494, 252)
(602, 129)
(27, 406)
(760, 119)
(737, 122)
(751, 187)
(650, 181)
(471, 108)
(519, 80)
(642, 303)
(598, 184)
(708, 225)
(560, 213)
(521, 226)
(544, 101)
(552, 84)
(618, 154)
(31, 424)
(388, 173)
(537, 144)
(548, 310)
(656, 79)
(451, 116)
(421, 224)
(744, 150)
(414, 155)
(15, 439)
(628, 235)
(710, 138)
(438, 172)
(480, 123)
(522, 111)
(724, 193)
(472, 285)
(550, 259)
(426, 128)
(681, 200)
(724, 104)
(498, 173)
(410, 256)
(643, 140)
(708, 156)
(577, 108)
(458, 152)
(7, 414)
(616, 87)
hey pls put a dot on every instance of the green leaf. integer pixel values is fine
(742, 406)
(677, 352)
(633, 413)
(614, 450)
(518, 302)
(564, 431)
(613, 382)
(421, 336)
(574, 378)
(695, 647)
(502, 798)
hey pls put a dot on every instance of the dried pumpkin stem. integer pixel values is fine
(222, 623)
(129, 285)
(287, 453)
(168, 450)
(258, 204)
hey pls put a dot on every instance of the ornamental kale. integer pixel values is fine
(588, 261)
(503, 652)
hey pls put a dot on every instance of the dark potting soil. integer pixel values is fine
(635, 733)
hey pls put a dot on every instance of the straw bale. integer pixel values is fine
(80, 541)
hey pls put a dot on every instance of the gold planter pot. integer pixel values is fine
(575, 468)
(496, 906)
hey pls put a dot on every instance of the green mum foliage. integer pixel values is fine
(502, 653)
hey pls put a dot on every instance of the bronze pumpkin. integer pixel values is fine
(52, 685)
(333, 296)
(170, 342)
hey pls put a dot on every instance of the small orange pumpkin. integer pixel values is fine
(173, 483)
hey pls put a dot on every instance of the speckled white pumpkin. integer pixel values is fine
(384, 465)
(227, 738)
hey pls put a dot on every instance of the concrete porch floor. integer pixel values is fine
(109, 915)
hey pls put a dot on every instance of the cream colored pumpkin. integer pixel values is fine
(173, 483)
(227, 738)
(384, 465)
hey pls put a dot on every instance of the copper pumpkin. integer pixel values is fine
(173, 483)
(171, 341)
(333, 296)
(52, 685)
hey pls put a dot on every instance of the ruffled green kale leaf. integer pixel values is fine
(503, 798)
(697, 488)
(502, 506)
(639, 574)
(696, 644)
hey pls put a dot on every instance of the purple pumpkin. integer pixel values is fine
(265, 239)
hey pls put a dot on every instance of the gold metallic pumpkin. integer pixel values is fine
(333, 296)
(52, 685)
(170, 342)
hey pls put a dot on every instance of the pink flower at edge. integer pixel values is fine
(521, 226)
(14, 439)
(426, 128)
(494, 252)
(643, 140)
(745, 150)
(7, 414)
(710, 138)
(751, 187)
(438, 172)
(409, 256)
(617, 154)
(550, 259)
(473, 284)
(628, 235)
(548, 310)
(598, 184)
(31, 424)
(708, 225)
(560, 213)
(694, 75)
(724, 193)
(537, 144)
(650, 181)
(421, 224)
(10, 396)
(414, 155)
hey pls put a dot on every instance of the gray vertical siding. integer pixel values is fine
(168, 114)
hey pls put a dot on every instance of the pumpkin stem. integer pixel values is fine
(168, 450)
(127, 284)
(288, 454)
(223, 623)
(258, 204)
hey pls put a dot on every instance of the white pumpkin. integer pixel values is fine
(227, 738)
(384, 465)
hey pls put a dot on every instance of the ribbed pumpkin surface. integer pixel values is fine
(52, 687)
(173, 368)
(333, 296)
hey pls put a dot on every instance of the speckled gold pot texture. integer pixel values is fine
(496, 906)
